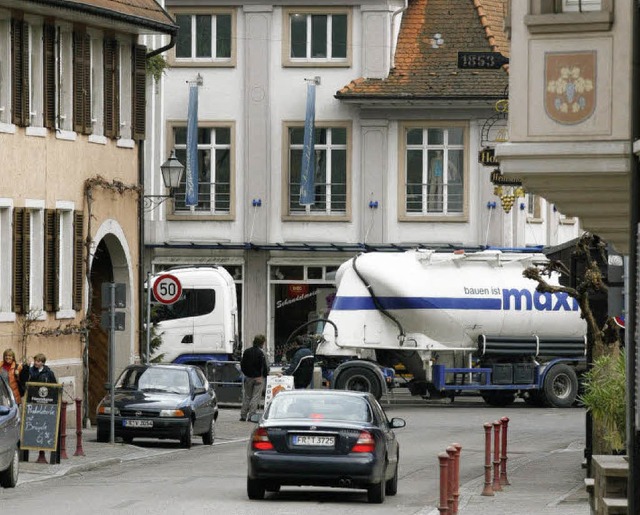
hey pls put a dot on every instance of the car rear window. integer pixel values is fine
(317, 407)
(155, 379)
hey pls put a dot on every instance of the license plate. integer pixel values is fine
(319, 441)
(137, 423)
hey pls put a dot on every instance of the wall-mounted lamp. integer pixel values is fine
(172, 170)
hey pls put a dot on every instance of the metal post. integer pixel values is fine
(496, 457)
(443, 458)
(504, 481)
(487, 490)
(451, 452)
(79, 449)
(112, 339)
(63, 431)
(148, 317)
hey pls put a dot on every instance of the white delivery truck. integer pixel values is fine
(456, 322)
(202, 324)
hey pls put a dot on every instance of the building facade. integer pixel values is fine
(72, 114)
(398, 130)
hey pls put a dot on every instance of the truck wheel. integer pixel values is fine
(499, 398)
(359, 380)
(561, 386)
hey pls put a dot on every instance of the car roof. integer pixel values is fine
(332, 393)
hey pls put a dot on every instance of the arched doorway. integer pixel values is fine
(111, 263)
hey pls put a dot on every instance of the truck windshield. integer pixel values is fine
(192, 303)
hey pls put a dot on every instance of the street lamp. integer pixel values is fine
(171, 174)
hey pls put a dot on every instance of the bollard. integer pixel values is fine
(503, 458)
(79, 449)
(456, 476)
(63, 431)
(451, 452)
(487, 490)
(443, 458)
(496, 457)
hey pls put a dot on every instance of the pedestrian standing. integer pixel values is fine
(38, 372)
(12, 369)
(301, 366)
(254, 367)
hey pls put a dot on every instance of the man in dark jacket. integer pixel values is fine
(254, 367)
(301, 366)
(38, 372)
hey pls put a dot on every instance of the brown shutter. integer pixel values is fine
(116, 90)
(19, 72)
(51, 253)
(78, 262)
(81, 82)
(110, 72)
(49, 75)
(18, 252)
(138, 92)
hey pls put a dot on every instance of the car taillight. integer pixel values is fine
(260, 440)
(365, 443)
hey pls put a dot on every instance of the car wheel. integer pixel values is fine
(376, 491)
(359, 379)
(210, 435)
(102, 434)
(255, 489)
(561, 386)
(391, 486)
(9, 476)
(187, 437)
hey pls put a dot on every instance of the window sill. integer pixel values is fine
(7, 128)
(65, 314)
(42, 315)
(125, 143)
(599, 21)
(316, 218)
(99, 140)
(7, 316)
(195, 63)
(532, 220)
(433, 218)
(66, 135)
(567, 221)
(316, 64)
(39, 132)
(205, 217)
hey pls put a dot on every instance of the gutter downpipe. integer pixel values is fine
(392, 46)
(141, 220)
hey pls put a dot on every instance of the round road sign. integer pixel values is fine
(167, 289)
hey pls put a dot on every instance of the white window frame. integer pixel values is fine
(290, 191)
(64, 82)
(36, 279)
(5, 72)
(212, 61)
(212, 213)
(124, 48)
(309, 61)
(36, 95)
(65, 258)
(97, 88)
(6, 260)
(581, 5)
(425, 147)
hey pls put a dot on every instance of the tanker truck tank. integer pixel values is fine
(453, 309)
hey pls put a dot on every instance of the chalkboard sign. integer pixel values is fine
(41, 417)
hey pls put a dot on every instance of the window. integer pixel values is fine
(5, 260)
(82, 83)
(331, 147)
(19, 72)
(97, 86)
(21, 260)
(5, 70)
(36, 111)
(36, 260)
(215, 177)
(533, 207)
(561, 16)
(204, 38)
(64, 70)
(65, 260)
(581, 5)
(123, 101)
(111, 73)
(317, 36)
(434, 171)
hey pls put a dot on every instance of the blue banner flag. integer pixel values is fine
(191, 189)
(307, 173)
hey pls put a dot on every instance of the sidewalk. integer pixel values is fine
(541, 484)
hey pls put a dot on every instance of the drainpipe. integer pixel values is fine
(392, 46)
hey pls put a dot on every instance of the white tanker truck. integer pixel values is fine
(457, 322)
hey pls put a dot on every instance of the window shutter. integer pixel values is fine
(111, 89)
(51, 253)
(81, 83)
(19, 72)
(139, 90)
(49, 75)
(18, 263)
(78, 262)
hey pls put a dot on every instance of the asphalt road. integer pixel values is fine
(207, 479)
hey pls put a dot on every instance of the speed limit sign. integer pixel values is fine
(167, 289)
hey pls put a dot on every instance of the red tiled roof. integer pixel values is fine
(144, 12)
(424, 72)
